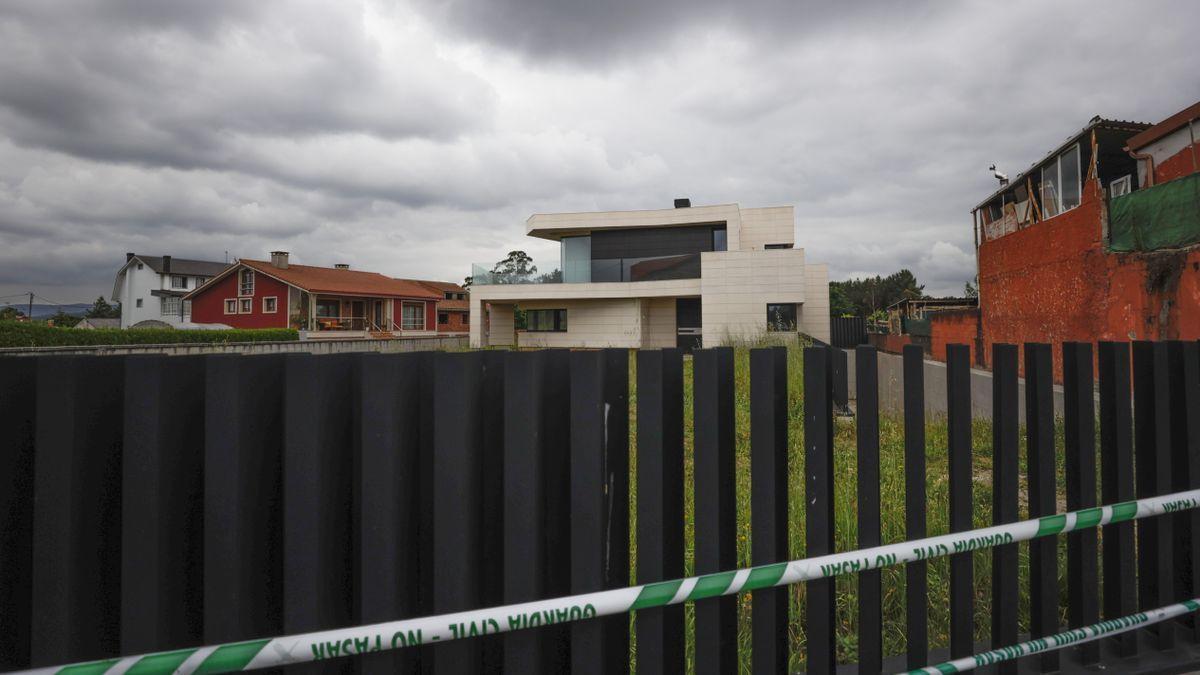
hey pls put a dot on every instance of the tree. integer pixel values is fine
(63, 320)
(467, 281)
(10, 313)
(102, 310)
(516, 266)
(971, 290)
(870, 295)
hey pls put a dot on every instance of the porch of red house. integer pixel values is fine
(325, 317)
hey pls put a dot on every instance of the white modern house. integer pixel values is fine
(687, 277)
(151, 288)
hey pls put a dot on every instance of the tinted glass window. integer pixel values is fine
(781, 318)
(719, 242)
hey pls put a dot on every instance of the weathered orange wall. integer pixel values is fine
(1054, 282)
(1178, 165)
(960, 326)
(885, 342)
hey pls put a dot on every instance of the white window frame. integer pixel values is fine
(403, 320)
(245, 288)
(1059, 208)
(1121, 186)
(247, 303)
(236, 304)
(182, 282)
(274, 299)
(168, 300)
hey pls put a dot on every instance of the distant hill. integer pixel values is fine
(46, 311)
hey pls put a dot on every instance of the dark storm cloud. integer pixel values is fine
(589, 31)
(416, 139)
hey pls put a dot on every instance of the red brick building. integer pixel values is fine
(322, 302)
(453, 311)
(1100, 240)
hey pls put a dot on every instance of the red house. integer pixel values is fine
(321, 302)
(453, 310)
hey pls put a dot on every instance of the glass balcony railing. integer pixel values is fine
(655, 268)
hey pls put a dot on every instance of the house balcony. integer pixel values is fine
(654, 268)
(357, 328)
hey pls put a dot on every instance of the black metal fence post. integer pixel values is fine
(660, 631)
(958, 414)
(916, 586)
(769, 504)
(319, 441)
(387, 482)
(162, 528)
(1080, 444)
(818, 502)
(18, 396)
(1043, 553)
(870, 586)
(1185, 373)
(1006, 451)
(715, 507)
(1116, 485)
(77, 514)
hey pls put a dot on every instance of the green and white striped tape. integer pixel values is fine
(322, 645)
(1070, 638)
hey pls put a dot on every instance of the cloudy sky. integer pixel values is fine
(414, 138)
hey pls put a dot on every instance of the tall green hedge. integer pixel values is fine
(19, 334)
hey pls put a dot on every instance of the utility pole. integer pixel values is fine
(29, 314)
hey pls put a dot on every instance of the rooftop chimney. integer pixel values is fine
(166, 264)
(683, 203)
(341, 266)
(279, 259)
(128, 257)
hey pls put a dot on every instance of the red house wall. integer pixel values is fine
(456, 322)
(953, 327)
(208, 306)
(430, 313)
(1054, 282)
(1178, 165)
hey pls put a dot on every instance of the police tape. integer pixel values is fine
(329, 644)
(1070, 638)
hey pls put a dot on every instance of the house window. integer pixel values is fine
(247, 287)
(781, 318)
(1060, 188)
(169, 306)
(412, 316)
(329, 309)
(443, 317)
(139, 302)
(139, 266)
(449, 295)
(546, 320)
(1120, 186)
(245, 305)
(771, 246)
(231, 305)
(270, 304)
(178, 282)
(187, 307)
(200, 281)
(720, 240)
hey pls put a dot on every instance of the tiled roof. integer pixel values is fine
(343, 282)
(443, 287)
(183, 266)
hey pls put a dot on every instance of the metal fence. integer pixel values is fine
(847, 332)
(157, 502)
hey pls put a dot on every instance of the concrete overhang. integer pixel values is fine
(586, 291)
(555, 226)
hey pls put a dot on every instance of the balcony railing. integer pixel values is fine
(653, 268)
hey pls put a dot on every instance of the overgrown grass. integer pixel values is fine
(845, 518)
(21, 334)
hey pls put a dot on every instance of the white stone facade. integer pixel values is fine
(734, 286)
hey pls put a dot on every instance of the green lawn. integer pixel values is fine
(892, 499)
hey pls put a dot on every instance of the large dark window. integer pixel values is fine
(329, 309)
(546, 320)
(781, 318)
(653, 253)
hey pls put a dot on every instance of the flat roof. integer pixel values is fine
(554, 226)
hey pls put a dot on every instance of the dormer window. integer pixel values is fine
(247, 286)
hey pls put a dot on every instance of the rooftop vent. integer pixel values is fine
(341, 266)
(279, 259)
(683, 203)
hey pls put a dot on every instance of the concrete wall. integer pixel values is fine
(501, 329)
(767, 225)
(590, 323)
(737, 286)
(891, 388)
(814, 314)
(412, 344)
(658, 323)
